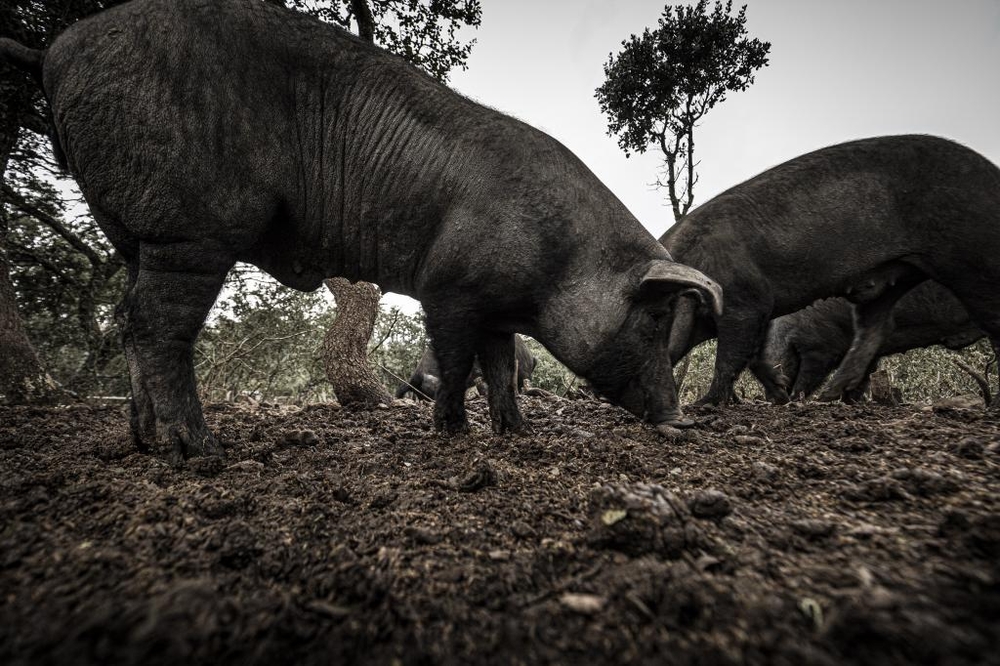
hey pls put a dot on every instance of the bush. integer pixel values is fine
(262, 340)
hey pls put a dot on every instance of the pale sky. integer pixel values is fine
(839, 70)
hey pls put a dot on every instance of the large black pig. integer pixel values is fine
(206, 133)
(867, 220)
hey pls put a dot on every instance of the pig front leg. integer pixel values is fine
(497, 360)
(771, 379)
(740, 336)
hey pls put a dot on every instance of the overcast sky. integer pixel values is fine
(839, 70)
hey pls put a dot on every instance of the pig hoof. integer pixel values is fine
(522, 428)
(453, 427)
(678, 423)
(780, 398)
(672, 432)
(517, 426)
(183, 445)
(713, 401)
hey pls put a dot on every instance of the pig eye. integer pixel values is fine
(656, 314)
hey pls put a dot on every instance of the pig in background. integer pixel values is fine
(803, 348)
(867, 220)
(426, 377)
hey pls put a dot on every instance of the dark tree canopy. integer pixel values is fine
(424, 32)
(663, 82)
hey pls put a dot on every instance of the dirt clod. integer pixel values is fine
(712, 504)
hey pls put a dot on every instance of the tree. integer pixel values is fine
(424, 32)
(662, 83)
(345, 347)
(22, 121)
(22, 377)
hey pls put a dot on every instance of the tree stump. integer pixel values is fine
(345, 345)
(882, 391)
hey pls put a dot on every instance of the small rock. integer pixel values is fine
(969, 448)
(749, 440)
(812, 528)
(585, 604)
(247, 466)
(924, 482)
(522, 530)
(499, 555)
(300, 438)
(764, 472)
(881, 489)
(968, 401)
(670, 432)
(639, 518)
(710, 504)
(422, 536)
(482, 476)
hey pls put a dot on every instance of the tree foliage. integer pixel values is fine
(663, 82)
(424, 32)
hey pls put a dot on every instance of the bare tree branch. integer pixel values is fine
(54, 224)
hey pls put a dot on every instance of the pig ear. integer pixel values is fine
(671, 277)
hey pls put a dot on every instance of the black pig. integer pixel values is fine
(206, 133)
(868, 220)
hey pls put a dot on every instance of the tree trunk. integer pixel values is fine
(345, 346)
(363, 17)
(22, 377)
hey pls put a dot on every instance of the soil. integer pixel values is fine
(804, 534)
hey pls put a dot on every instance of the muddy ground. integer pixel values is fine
(806, 534)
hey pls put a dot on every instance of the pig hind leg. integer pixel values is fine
(872, 325)
(455, 353)
(499, 366)
(142, 418)
(171, 290)
(856, 395)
